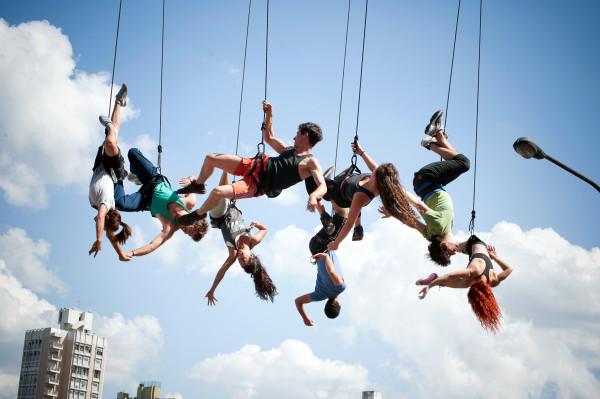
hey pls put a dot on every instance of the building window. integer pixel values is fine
(98, 364)
(99, 351)
(86, 361)
(95, 386)
(94, 396)
(88, 349)
(84, 385)
(97, 374)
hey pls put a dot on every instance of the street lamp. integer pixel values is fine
(527, 148)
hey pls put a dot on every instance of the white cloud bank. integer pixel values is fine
(289, 371)
(49, 128)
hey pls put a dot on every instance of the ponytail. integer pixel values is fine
(113, 223)
(265, 289)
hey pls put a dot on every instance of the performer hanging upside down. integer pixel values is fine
(479, 277)
(435, 204)
(268, 175)
(157, 196)
(109, 165)
(357, 191)
(239, 241)
(330, 281)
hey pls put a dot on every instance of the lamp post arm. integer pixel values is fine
(565, 167)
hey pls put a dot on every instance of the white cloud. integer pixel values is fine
(289, 371)
(48, 110)
(175, 395)
(549, 303)
(9, 384)
(133, 346)
(231, 69)
(292, 197)
(26, 259)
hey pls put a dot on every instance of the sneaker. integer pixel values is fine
(435, 124)
(104, 121)
(193, 187)
(328, 171)
(327, 222)
(190, 218)
(358, 233)
(121, 96)
(426, 281)
(427, 141)
(133, 178)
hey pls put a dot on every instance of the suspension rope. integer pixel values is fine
(114, 60)
(162, 54)
(262, 137)
(342, 89)
(354, 156)
(452, 63)
(243, 78)
(472, 222)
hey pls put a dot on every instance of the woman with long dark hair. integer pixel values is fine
(479, 277)
(357, 191)
(239, 241)
(108, 167)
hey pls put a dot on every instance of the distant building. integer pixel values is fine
(372, 395)
(65, 362)
(149, 390)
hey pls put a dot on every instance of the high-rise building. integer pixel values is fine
(372, 395)
(65, 362)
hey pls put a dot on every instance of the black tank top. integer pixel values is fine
(282, 172)
(488, 262)
(351, 186)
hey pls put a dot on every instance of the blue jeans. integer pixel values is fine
(140, 166)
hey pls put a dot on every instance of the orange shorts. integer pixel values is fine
(246, 188)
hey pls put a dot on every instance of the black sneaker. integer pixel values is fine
(327, 222)
(121, 96)
(358, 233)
(193, 187)
(190, 218)
(435, 124)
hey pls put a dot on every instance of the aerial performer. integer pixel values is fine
(356, 191)
(239, 241)
(330, 281)
(157, 196)
(266, 175)
(479, 277)
(108, 167)
(433, 202)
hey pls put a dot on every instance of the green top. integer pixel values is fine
(162, 196)
(440, 216)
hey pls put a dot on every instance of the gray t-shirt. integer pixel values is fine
(102, 189)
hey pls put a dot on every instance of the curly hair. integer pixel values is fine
(392, 194)
(484, 306)
(332, 308)
(265, 289)
(201, 228)
(314, 132)
(438, 252)
(113, 223)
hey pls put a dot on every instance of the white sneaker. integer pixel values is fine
(435, 124)
(427, 141)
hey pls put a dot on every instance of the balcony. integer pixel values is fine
(54, 369)
(56, 358)
(51, 393)
(56, 345)
(51, 380)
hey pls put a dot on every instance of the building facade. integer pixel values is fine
(66, 362)
(371, 395)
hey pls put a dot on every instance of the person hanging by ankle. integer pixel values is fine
(433, 202)
(266, 175)
(479, 277)
(157, 196)
(108, 167)
(240, 241)
(354, 191)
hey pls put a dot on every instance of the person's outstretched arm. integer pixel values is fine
(115, 243)
(268, 133)
(419, 226)
(506, 269)
(300, 301)
(358, 201)
(167, 232)
(97, 246)
(335, 277)
(358, 150)
(258, 237)
(317, 174)
(210, 295)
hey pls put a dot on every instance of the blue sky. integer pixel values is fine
(538, 79)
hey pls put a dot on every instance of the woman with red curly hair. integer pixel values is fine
(479, 277)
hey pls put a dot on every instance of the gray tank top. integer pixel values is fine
(232, 227)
